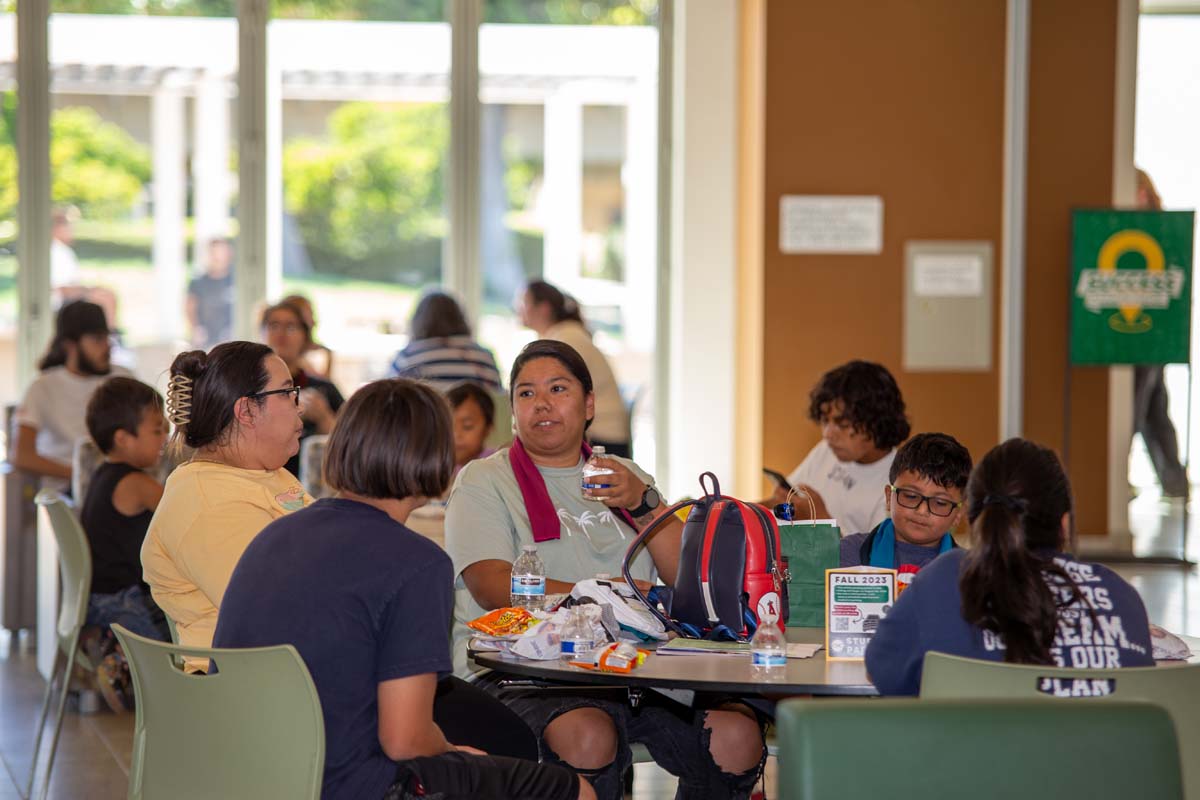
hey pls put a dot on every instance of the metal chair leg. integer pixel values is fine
(37, 740)
(62, 704)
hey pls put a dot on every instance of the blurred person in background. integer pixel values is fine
(209, 303)
(441, 350)
(318, 359)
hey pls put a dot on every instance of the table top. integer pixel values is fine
(708, 673)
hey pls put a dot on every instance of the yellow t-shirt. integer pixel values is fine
(208, 514)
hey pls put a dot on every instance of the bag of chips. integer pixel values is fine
(504, 622)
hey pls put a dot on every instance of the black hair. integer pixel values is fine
(1016, 499)
(119, 404)
(219, 378)
(469, 390)
(936, 456)
(74, 320)
(393, 439)
(562, 353)
(870, 402)
(563, 307)
(438, 315)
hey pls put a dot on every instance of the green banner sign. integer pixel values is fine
(1131, 287)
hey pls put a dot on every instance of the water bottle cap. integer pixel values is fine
(598, 450)
(529, 548)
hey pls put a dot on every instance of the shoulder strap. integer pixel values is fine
(631, 552)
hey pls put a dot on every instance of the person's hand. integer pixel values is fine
(624, 490)
(462, 748)
(315, 408)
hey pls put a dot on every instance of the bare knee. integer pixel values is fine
(586, 792)
(585, 738)
(736, 742)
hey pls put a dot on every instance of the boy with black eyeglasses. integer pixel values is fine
(924, 498)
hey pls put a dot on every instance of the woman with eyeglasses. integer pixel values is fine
(285, 328)
(1017, 595)
(923, 498)
(237, 408)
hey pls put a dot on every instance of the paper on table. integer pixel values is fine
(688, 647)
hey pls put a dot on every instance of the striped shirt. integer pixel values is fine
(443, 362)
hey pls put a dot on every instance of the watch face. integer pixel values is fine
(652, 498)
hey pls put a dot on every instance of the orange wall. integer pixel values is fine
(906, 100)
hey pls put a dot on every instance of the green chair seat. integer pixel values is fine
(977, 749)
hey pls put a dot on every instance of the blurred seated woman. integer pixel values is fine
(555, 315)
(317, 358)
(237, 407)
(441, 351)
(355, 569)
(286, 330)
(1016, 595)
(530, 493)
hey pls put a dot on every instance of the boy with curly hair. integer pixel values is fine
(861, 413)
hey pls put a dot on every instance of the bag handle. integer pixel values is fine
(636, 544)
(715, 493)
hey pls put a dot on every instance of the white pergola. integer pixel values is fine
(563, 68)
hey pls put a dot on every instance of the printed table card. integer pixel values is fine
(856, 599)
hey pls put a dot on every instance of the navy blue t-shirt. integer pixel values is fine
(928, 616)
(364, 600)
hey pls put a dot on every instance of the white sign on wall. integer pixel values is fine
(831, 224)
(948, 274)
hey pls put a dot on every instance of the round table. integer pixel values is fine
(706, 673)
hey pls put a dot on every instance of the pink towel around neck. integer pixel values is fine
(543, 519)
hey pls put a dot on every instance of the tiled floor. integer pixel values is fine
(93, 757)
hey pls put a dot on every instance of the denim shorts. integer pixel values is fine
(450, 776)
(133, 608)
(673, 733)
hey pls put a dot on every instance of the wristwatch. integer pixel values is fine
(651, 500)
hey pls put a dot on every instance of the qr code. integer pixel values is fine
(841, 624)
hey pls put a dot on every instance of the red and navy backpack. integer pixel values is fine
(731, 571)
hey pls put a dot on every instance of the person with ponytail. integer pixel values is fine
(236, 407)
(554, 315)
(1016, 595)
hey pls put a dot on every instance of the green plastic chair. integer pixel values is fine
(171, 627)
(1174, 687)
(253, 728)
(75, 569)
(981, 749)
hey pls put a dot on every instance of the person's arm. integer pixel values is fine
(25, 456)
(211, 549)
(135, 493)
(191, 308)
(316, 409)
(406, 726)
(895, 655)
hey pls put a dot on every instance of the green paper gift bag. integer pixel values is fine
(810, 547)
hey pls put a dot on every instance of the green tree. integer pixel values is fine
(373, 181)
(95, 165)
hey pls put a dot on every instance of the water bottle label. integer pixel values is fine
(572, 647)
(594, 485)
(528, 585)
(761, 659)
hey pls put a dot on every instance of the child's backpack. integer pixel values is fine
(731, 574)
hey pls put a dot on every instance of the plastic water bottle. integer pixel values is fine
(576, 639)
(768, 651)
(528, 580)
(595, 474)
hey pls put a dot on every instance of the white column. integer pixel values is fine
(640, 181)
(462, 266)
(251, 271)
(167, 141)
(210, 162)
(562, 197)
(703, 274)
(274, 98)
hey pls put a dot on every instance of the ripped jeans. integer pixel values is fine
(673, 733)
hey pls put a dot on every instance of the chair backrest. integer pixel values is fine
(981, 749)
(1174, 687)
(502, 421)
(252, 729)
(85, 460)
(312, 457)
(74, 566)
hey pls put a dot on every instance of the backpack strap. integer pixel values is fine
(631, 552)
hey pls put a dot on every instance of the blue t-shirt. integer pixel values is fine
(364, 600)
(928, 616)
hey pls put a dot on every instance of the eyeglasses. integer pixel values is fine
(938, 506)
(294, 391)
(285, 327)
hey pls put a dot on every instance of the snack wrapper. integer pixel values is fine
(504, 622)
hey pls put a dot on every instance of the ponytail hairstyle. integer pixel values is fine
(1016, 499)
(563, 307)
(204, 388)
